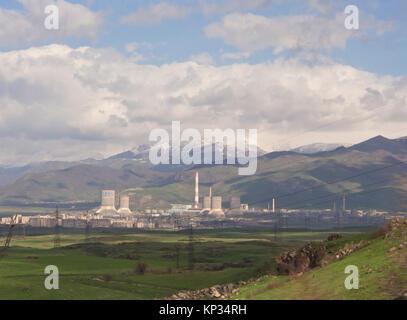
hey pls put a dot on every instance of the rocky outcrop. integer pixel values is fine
(313, 255)
(350, 249)
(215, 292)
(301, 260)
(397, 228)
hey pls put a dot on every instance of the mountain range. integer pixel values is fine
(372, 174)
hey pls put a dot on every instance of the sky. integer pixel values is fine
(115, 70)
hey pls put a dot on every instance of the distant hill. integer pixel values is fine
(393, 146)
(317, 147)
(370, 173)
(77, 183)
(370, 177)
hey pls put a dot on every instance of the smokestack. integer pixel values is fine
(343, 203)
(196, 205)
(274, 205)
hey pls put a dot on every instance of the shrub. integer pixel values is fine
(140, 268)
(380, 233)
(107, 277)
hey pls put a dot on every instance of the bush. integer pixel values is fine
(380, 233)
(107, 277)
(140, 268)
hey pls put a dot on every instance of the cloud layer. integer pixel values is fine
(250, 32)
(57, 102)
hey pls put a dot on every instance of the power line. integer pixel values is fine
(57, 239)
(353, 194)
(334, 194)
(329, 183)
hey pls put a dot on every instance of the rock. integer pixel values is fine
(215, 293)
(182, 295)
(229, 288)
(403, 296)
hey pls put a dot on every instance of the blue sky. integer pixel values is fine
(175, 40)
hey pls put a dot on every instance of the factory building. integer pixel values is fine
(178, 208)
(122, 224)
(108, 200)
(74, 223)
(100, 223)
(43, 222)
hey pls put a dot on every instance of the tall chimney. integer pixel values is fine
(274, 205)
(196, 205)
(343, 203)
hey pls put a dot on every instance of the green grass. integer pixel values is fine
(222, 256)
(381, 276)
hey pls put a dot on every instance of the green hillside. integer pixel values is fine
(382, 273)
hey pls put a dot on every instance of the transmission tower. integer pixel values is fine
(87, 232)
(191, 249)
(57, 238)
(275, 230)
(9, 235)
(177, 255)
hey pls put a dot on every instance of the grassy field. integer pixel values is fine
(103, 267)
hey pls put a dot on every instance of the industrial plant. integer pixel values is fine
(115, 212)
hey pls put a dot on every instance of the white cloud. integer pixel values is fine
(162, 11)
(62, 103)
(202, 58)
(250, 32)
(155, 14)
(223, 7)
(235, 55)
(27, 26)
